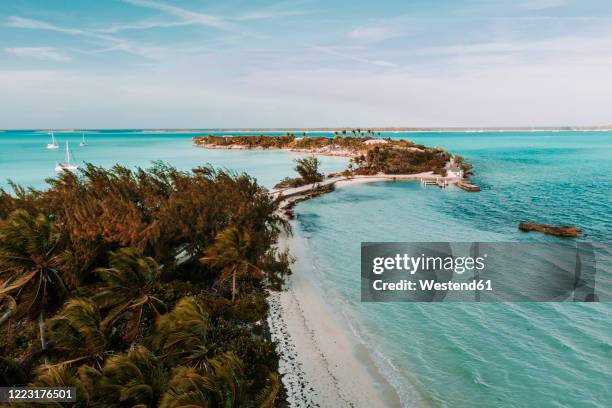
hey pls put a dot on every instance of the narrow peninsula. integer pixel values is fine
(371, 159)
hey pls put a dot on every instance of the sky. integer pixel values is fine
(304, 63)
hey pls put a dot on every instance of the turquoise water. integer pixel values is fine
(452, 355)
(25, 159)
(478, 355)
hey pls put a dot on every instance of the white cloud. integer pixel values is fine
(268, 15)
(543, 4)
(566, 48)
(331, 51)
(373, 33)
(41, 53)
(186, 16)
(141, 25)
(550, 93)
(110, 42)
(515, 81)
(20, 22)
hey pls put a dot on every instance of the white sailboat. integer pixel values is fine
(83, 142)
(53, 144)
(67, 166)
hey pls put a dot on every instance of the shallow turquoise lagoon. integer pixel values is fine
(478, 355)
(25, 159)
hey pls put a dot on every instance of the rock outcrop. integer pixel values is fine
(564, 231)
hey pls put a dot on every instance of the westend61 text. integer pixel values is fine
(430, 284)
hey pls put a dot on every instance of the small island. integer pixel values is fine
(368, 156)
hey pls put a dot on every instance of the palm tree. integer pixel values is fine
(128, 287)
(66, 376)
(29, 262)
(220, 383)
(76, 332)
(180, 336)
(135, 378)
(231, 252)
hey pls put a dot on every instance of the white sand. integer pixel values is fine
(321, 360)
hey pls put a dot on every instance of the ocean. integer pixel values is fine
(449, 355)
(477, 354)
(25, 159)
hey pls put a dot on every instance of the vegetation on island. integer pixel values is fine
(308, 170)
(369, 155)
(351, 145)
(141, 287)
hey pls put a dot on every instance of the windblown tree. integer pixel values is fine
(180, 336)
(90, 266)
(308, 169)
(29, 265)
(128, 287)
(65, 376)
(76, 332)
(220, 383)
(135, 378)
(233, 253)
(159, 210)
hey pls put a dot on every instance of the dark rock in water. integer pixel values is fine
(467, 187)
(564, 231)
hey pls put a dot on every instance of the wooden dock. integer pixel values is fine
(434, 181)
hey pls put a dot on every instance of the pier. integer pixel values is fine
(434, 181)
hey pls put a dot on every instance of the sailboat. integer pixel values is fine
(67, 166)
(83, 142)
(53, 144)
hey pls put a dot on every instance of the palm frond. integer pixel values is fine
(76, 330)
(181, 334)
(220, 383)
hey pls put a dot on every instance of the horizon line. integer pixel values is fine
(330, 128)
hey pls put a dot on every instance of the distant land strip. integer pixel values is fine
(341, 129)
(395, 129)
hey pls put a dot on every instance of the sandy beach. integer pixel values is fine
(321, 361)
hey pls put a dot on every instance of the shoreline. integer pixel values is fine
(314, 151)
(343, 181)
(322, 362)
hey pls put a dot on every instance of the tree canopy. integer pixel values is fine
(102, 287)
